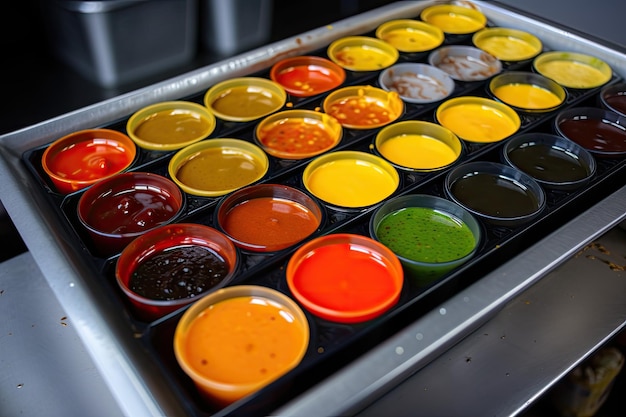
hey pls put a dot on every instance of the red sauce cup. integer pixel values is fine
(268, 217)
(152, 268)
(304, 76)
(81, 158)
(346, 278)
(119, 209)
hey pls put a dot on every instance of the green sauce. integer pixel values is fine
(425, 235)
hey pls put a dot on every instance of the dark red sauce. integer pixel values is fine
(617, 101)
(598, 135)
(178, 272)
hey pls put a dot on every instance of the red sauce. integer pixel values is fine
(595, 134)
(90, 160)
(307, 80)
(296, 137)
(269, 223)
(131, 212)
(346, 282)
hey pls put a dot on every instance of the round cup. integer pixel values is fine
(507, 44)
(430, 235)
(245, 99)
(174, 265)
(417, 83)
(418, 146)
(350, 179)
(362, 53)
(305, 76)
(496, 193)
(346, 278)
(465, 63)
(363, 106)
(268, 217)
(613, 97)
(573, 70)
(170, 125)
(409, 35)
(527, 92)
(454, 19)
(478, 119)
(298, 134)
(602, 132)
(215, 167)
(81, 158)
(553, 161)
(236, 340)
(120, 208)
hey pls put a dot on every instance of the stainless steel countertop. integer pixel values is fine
(46, 370)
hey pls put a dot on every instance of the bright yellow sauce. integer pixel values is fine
(477, 123)
(417, 151)
(527, 96)
(508, 48)
(411, 40)
(455, 23)
(172, 126)
(572, 74)
(351, 183)
(364, 58)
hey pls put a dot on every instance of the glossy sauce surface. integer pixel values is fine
(507, 48)
(617, 102)
(361, 111)
(172, 126)
(572, 74)
(425, 235)
(363, 58)
(270, 222)
(477, 123)
(595, 134)
(308, 80)
(527, 96)
(548, 163)
(297, 137)
(409, 39)
(178, 272)
(246, 101)
(417, 151)
(494, 195)
(244, 340)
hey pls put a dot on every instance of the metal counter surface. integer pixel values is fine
(95, 361)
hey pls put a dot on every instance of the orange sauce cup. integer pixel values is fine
(238, 339)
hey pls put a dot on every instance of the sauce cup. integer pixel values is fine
(613, 97)
(454, 19)
(362, 53)
(527, 91)
(305, 76)
(218, 166)
(507, 44)
(268, 217)
(465, 63)
(298, 134)
(573, 70)
(417, 83)
(82, 158)
(170, 125)
(120, 208)
(409, 35)
(430, 235)
(174, 265)
(236, 340)
(346, 278)
(415, 145)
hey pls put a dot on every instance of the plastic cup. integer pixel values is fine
(245, 99)
(298, 134)
(363, 106)
(553, 161)
(362, 53)
(417, 83)
(418, 146)
(119, 209)
(430, 235)
(527, 92)
(305, 76)
(409, 35)
(170, 125)
(236, 340)
(507, 44)
(465, 63)
(496, 193)
(454, 19)
(350, 179)
(346, 278)
(218, 166)
(268, 217)
(82, 158)
(573, 70)
(613, 97)
(174, 265)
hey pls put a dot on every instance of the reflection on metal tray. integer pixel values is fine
(334, 345)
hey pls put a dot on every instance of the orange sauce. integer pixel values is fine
(244, 340)
(360, 111)
(297, 137)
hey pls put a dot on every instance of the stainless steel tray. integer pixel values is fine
(139, 389)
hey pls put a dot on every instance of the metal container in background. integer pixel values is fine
(115, 42)
(228, 27)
